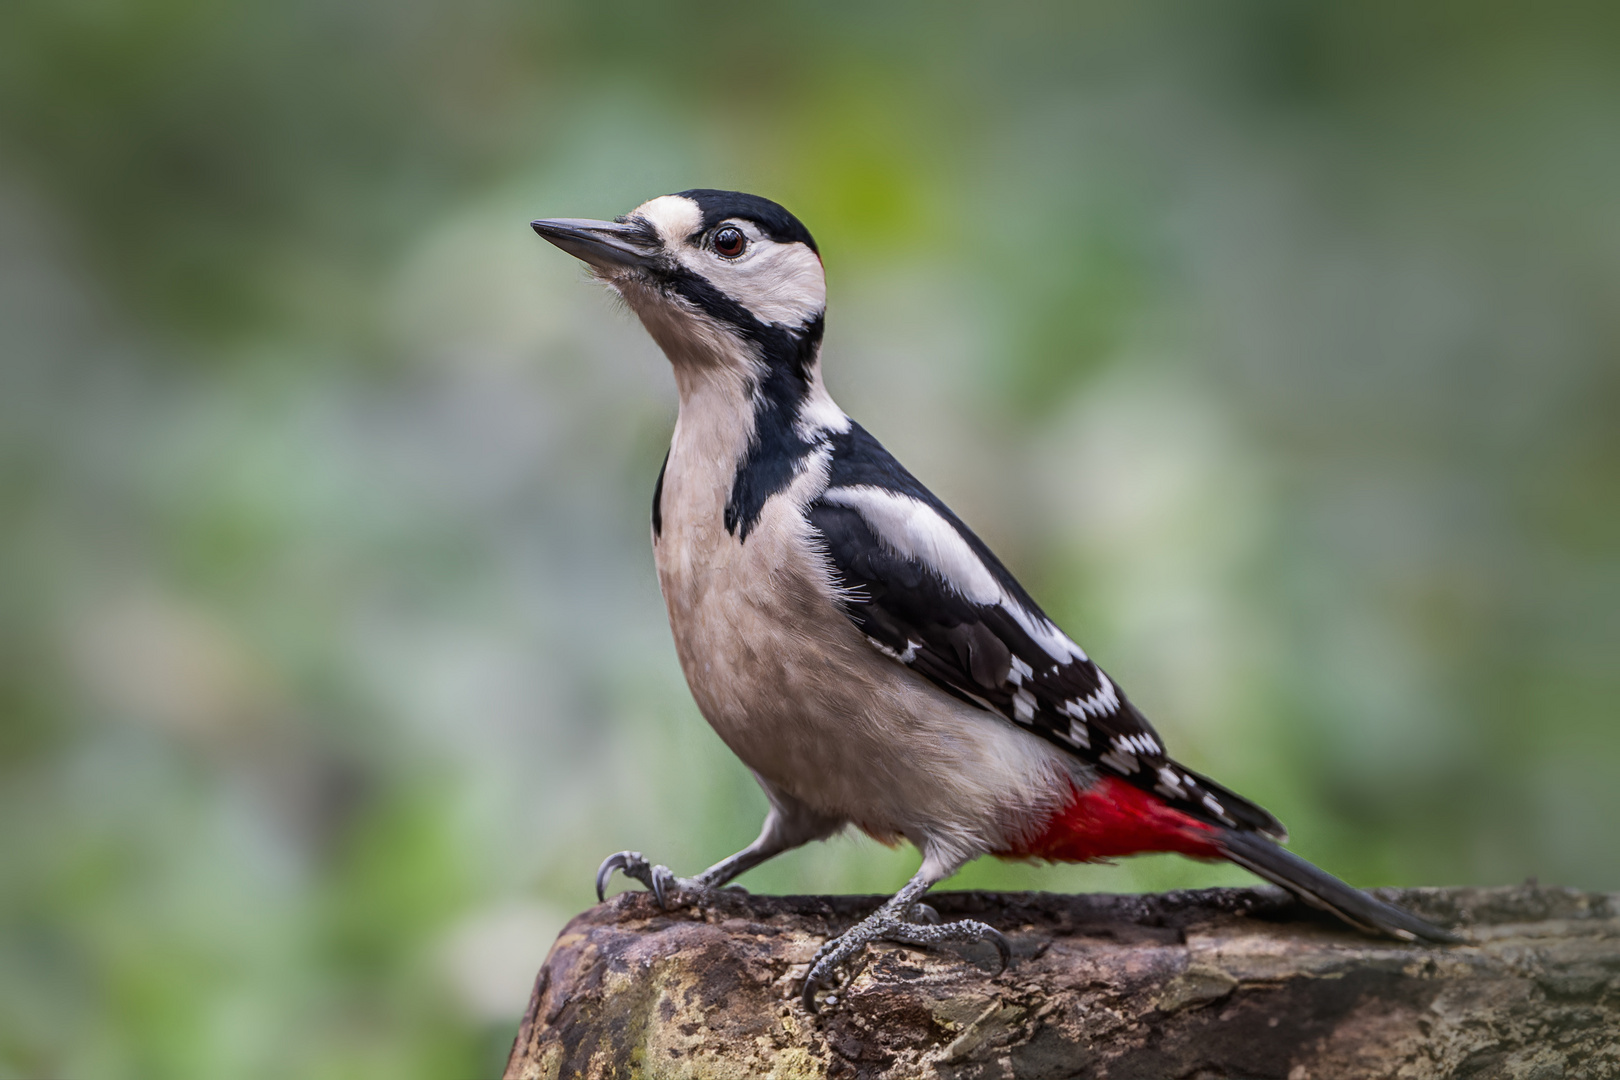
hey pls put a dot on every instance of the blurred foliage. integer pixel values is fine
(1273, 344)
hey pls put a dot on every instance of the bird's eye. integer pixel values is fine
(730, 241)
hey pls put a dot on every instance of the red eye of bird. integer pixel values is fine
(730, 241)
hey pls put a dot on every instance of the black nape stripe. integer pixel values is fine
(658, 499)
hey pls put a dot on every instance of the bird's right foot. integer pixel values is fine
(914, 924)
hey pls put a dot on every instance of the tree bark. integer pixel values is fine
(1213, 983)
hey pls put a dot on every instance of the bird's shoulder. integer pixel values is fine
(927, 592)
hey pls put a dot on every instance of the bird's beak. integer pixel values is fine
(605, 245)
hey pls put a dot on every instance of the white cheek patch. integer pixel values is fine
(778, 283)
(914, 530)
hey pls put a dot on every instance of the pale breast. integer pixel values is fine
(799, 694)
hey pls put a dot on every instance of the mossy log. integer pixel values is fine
(1212, 983)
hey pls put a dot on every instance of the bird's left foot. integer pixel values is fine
(918, 926)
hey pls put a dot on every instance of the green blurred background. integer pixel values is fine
(1275, 345)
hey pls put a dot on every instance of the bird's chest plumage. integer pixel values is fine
(778, 670)
(754, 620)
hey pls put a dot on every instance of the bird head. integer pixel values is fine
(719, 278)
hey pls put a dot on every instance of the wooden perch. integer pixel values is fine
(1197, 985)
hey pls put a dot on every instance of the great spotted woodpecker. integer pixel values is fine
(851, 640)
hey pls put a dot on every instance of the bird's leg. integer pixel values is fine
(789, 825)
(904, 919)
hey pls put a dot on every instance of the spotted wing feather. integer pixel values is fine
(929, 594)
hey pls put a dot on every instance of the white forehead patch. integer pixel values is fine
(777, 283)
(674, 216)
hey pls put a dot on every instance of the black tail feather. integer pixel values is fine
(1321, 889)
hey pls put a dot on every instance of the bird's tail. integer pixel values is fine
(1321, 889)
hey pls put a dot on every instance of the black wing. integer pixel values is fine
(928, 593)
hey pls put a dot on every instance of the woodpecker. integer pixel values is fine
(851, 640)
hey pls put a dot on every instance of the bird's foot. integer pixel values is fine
(918, 926)
(660, 880)
(667, 889)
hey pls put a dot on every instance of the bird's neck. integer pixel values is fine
(751, 431)
(716, 420)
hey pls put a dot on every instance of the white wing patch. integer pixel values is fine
(916, 531)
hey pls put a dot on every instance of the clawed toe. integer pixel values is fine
(617, 861)
(658, 879)
(970, 930)
(629, 861)
(925, 913)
